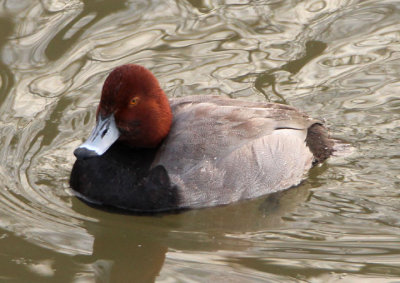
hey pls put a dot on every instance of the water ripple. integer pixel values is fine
(337, 60)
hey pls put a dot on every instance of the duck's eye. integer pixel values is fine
(134, 101)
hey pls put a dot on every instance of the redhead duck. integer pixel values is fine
(150, 154)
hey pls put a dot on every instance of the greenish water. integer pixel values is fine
(336, 60)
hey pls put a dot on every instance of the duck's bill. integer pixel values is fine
(102, 137)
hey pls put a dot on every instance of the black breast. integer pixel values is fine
(122, 178)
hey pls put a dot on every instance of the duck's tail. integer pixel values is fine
(323, 146)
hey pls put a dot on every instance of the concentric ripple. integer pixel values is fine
(337, 60)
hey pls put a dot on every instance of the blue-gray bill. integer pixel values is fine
(102, 137)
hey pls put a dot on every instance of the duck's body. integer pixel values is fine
(217, 151)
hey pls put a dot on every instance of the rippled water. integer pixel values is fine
(337, 60)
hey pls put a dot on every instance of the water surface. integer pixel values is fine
(336, 60)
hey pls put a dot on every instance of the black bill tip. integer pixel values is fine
(83, 153)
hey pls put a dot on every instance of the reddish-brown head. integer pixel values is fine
(133, 108)
(140, 107)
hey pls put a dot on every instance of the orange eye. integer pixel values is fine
(134, 101)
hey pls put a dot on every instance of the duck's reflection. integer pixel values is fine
(118, 259)
(131, 248)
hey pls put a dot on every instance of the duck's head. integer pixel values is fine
(133, 109)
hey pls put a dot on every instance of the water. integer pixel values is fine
(336, 60)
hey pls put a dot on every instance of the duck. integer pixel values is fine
(150, 154)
